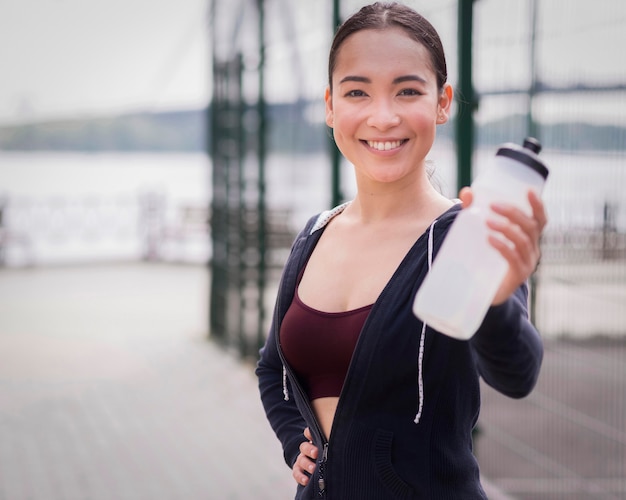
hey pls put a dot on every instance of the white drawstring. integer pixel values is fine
(420, 355)
(285, 390)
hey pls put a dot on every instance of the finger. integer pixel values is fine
(307, 465)
(519, 260)
(518, 250)
(307, 457)
(307, 434)
(308, 450)
(299, 475)
(304, 466)
(530, 225)
(539, 211)
(466, 196)
(521, 239)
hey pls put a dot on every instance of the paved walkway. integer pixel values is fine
(109, 390)
(567, 440)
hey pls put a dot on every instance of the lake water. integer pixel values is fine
(74, 207)
(66, 207)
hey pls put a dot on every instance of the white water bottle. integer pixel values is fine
(467, 271)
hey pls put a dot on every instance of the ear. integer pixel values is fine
(328, 99)
(445, 103)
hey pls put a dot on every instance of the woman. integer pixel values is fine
(367, 402)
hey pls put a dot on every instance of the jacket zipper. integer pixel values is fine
(321, 481)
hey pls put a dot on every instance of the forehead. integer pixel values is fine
(391, 49)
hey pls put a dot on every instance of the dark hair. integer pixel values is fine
(378, 16)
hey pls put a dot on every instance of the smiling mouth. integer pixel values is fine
(385, 145)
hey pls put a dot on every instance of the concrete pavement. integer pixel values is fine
(110, 390)
(567, 440)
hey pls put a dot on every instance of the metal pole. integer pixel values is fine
(216, 297)
(532, 125)
(468, 101)
(262, 137)
(335, 156)
(533, 130)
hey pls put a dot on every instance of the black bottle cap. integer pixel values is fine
(527, 154)
(533, 144)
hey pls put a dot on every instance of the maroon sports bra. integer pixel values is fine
(318, 345)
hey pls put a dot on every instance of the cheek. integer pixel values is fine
(339, 137)
(424, 119)
(347, 119)
(344, 133)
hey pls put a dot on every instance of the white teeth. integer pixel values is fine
(384, 146)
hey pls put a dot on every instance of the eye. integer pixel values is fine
(355, 93)
(409, 92)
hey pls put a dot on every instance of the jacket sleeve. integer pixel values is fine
(280, 408)
(508, 348)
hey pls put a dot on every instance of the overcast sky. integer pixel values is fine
(81, 57)
(61, 58)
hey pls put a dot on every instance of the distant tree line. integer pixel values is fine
(167, 131)
(287, 131)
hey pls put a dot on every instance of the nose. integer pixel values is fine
(383, 115)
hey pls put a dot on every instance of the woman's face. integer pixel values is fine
(385, 104)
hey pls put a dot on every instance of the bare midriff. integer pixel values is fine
(325, 409)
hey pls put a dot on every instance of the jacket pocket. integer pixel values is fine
(382, 445)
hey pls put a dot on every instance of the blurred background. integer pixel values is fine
(156, 161)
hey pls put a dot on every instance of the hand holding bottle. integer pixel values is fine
(492, 246)
(520, 247)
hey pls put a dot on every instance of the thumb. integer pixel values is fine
(307, 434)
(466, 196)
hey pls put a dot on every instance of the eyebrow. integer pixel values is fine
(400, 79)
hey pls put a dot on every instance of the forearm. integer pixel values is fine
(508, 348)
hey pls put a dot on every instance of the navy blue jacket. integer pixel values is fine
(377, 451)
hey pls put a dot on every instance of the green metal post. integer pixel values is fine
(532, 125)
(532, 128)
(262, 138)
(210, 145)
(467, 102)
(335, 155)
(237, 219)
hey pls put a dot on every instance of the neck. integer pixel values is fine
(376, 202)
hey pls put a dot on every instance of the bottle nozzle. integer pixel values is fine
(533, 144)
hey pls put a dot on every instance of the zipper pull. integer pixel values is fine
(321, 485)
(321, 481)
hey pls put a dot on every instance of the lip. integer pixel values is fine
(384, 145)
